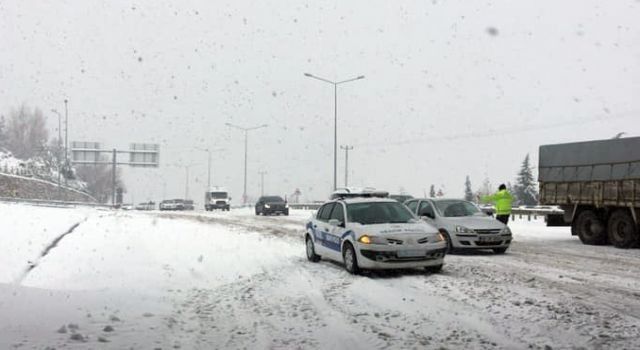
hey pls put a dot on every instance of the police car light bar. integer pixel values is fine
(349, 192)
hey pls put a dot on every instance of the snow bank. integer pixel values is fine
(134, 250)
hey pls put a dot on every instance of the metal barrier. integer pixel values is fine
(53, 203)
(516, 213)
(305, 206)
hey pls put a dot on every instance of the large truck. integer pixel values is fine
(597, 185)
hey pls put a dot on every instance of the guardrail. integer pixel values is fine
(516, 213)
(305, 206)
(53, 203)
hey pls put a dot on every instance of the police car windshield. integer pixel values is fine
(378, 213)
(218, 194)
(455, 208)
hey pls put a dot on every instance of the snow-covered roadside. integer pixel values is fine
(25, 231)
(117, 266)
(233, 280)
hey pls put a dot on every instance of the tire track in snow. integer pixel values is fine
(54, 243)
(510, 301)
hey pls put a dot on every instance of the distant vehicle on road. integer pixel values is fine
(463, 224)
(268, 205)
(172, 204)
(146, 206)
(217, 198)
(597, 185)
(188, 205)
(371, 232)
(126, 206)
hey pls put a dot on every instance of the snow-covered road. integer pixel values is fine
(233, 280)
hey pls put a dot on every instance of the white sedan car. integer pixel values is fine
(463, 224)
(373, 233)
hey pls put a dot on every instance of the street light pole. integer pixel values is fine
(66, 131)
(209, 151)
(262, 173)
(335, 119)
(346, 149)
(186, 183)
(246, 143)
(335, 136)
(58, 154)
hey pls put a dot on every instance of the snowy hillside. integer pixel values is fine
(34, 168)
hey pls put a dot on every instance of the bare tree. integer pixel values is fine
(26, 132)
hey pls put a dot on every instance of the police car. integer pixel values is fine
(368, 230)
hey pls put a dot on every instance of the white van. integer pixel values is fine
(217, 198)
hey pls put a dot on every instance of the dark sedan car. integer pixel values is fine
(268, 205)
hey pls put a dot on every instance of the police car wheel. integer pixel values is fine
(434, 269)
(311, 251)
(350, 259)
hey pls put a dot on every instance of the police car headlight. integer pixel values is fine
(366, 239)
(506, 231)
(462, 229)
(267, 206)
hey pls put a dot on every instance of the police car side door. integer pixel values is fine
(320, 228)
(337, 231)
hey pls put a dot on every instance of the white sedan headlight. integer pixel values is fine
(462, 229)
(366, 239)
(506, 231)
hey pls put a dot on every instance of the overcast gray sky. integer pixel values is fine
(452, 87)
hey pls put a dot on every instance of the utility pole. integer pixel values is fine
(262, 173)
(66, 135)
(59, 152)
(209, 171)
(186, 183)
(346, 149)
(113, 179)
(246, 142)
(335, 119)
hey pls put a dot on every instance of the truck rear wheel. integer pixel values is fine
(590, 228)
(623, 231)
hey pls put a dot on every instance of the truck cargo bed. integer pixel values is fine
(599, 173)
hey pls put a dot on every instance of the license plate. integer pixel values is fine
(490, 239)
(411, 253)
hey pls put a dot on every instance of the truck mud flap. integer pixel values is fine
(556, 220)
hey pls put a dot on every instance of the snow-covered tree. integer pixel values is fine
(468, 192)
(432, 191)
(525, 189)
